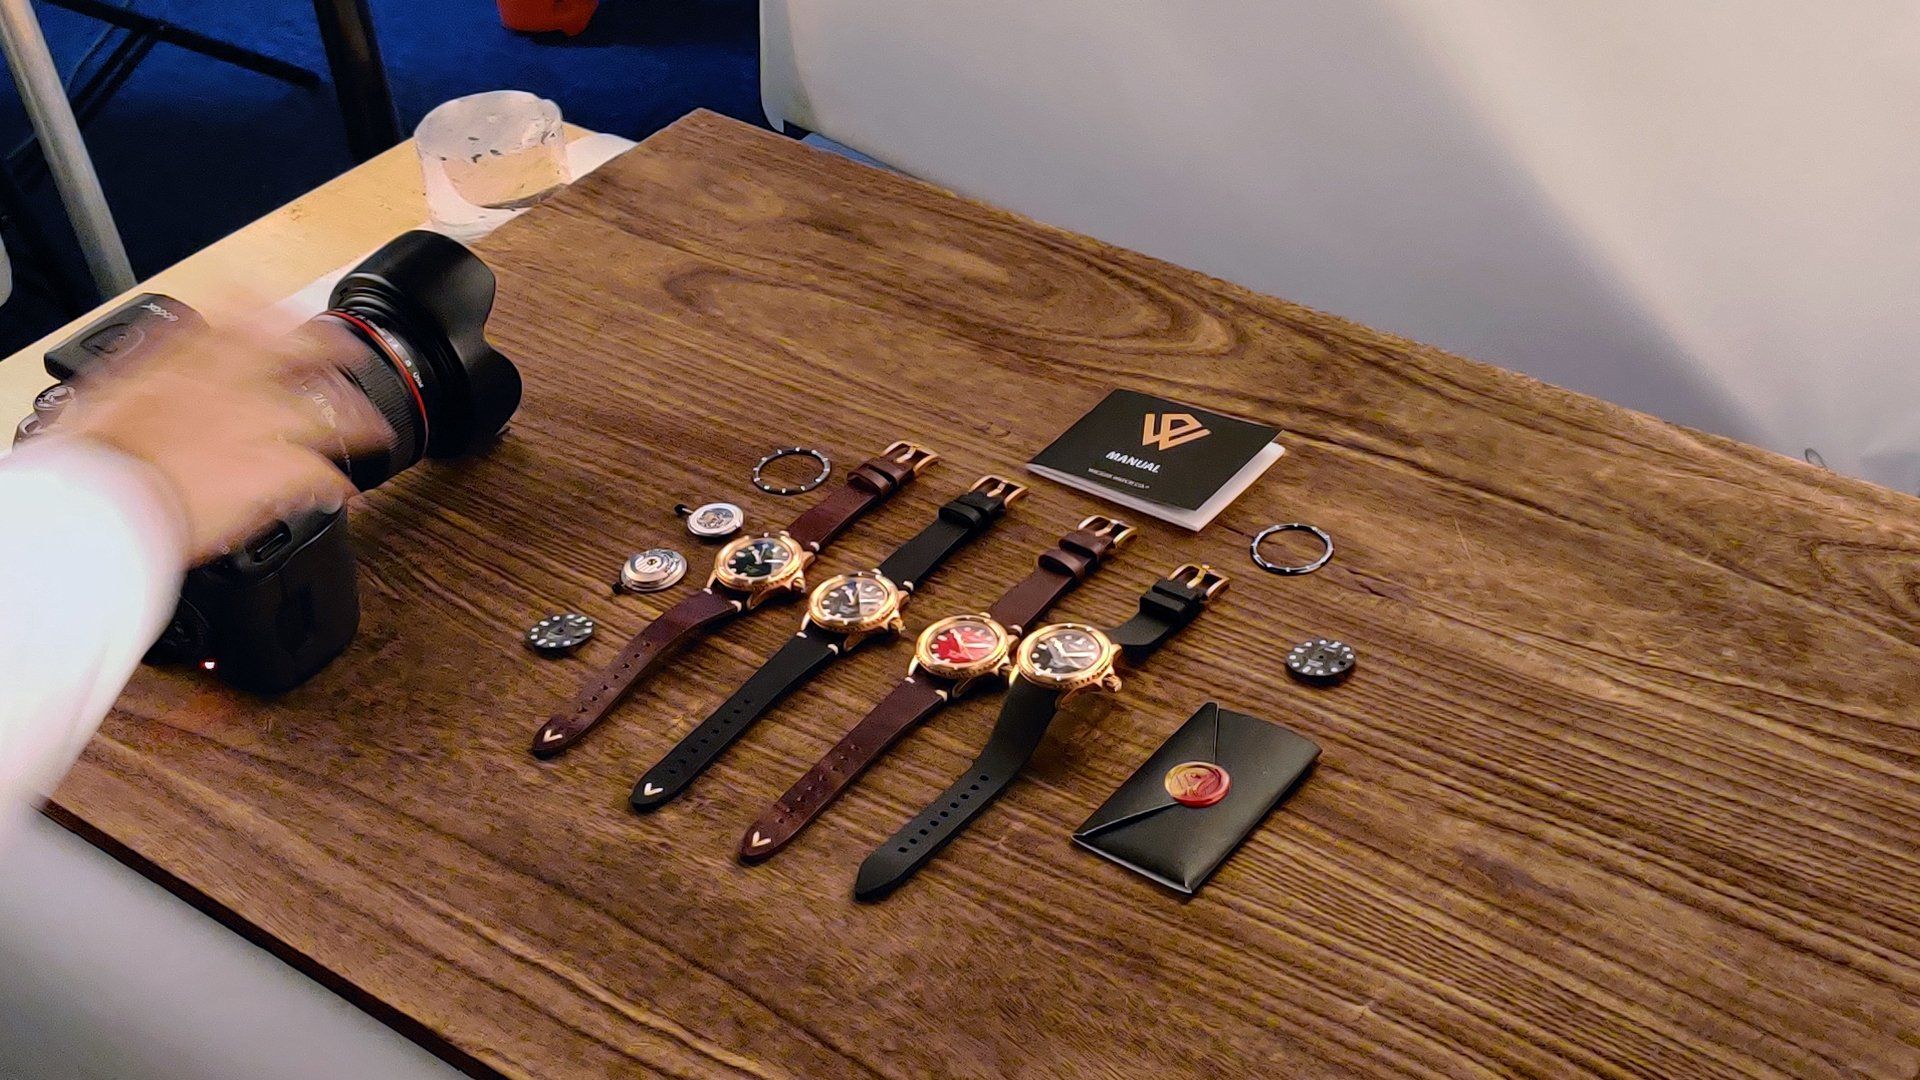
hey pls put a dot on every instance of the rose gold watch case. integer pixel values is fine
(1097, 676)
(789, 578)
(886, 616)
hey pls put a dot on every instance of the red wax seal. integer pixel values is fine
(1197, 783)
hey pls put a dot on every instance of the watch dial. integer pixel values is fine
(1066, 652)
(967, 641)
(854, 599)
(760, 558)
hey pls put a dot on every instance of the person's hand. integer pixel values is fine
(230, 422)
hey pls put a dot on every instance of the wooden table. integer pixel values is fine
(1626, 782)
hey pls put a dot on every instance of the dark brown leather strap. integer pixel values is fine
(1077, 556)
(676, 626)
(870, 483)
(912, 701)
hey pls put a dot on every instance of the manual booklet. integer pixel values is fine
(1162, 458)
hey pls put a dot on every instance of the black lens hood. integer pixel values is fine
(434, 295)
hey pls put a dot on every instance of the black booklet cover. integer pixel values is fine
(1174, 461)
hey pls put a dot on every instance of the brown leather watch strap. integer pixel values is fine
(912, 701)
(870, 483)
(1070, 562)
(675, 627)
(921, 694)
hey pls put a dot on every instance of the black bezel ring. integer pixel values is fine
(826, 469)
(1260, 560)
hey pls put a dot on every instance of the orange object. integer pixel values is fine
(534, 16)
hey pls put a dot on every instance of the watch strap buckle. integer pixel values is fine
(999, 487)
(1200, 577)
(1113, 529)
(912, 455)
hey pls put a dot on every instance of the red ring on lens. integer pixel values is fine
(380, 345)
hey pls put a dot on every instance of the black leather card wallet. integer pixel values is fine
(1180, 815)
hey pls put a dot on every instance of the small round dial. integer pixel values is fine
(963, 647)
(855, 599)
(759, 559)
(855, 603)
(965, 641)
(1066, 651)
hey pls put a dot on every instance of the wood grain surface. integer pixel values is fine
(1625, 784)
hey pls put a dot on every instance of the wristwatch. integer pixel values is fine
(844, 611)
(953, 657)
(1052, 664)
(747, 573)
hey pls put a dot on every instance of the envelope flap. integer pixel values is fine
(1263, 756)
(1145, 792)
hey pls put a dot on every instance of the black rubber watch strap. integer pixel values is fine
(1166, 607)
(958, 522)
(1025, 715)
(790, 666)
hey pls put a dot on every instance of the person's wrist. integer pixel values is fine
(165, 500)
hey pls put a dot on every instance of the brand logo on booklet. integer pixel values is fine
(1168, 430)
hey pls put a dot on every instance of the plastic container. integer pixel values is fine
(485, 156)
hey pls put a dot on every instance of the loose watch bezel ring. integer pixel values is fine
(760, 481)
(1261, 561)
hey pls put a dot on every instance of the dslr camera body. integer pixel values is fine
(272, 613)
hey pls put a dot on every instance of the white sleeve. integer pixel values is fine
(91, 551)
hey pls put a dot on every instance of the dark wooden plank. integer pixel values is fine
(1625, 786)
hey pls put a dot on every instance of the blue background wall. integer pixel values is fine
(191, 149)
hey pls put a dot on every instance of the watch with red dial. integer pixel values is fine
(747, 573)
(954, 657)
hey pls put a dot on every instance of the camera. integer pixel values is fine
(272, 613)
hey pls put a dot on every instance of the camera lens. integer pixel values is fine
(418, 308)
(384, 371)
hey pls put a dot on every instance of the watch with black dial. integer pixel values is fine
(842, 612)
(953, 657)
(1051, 665)
(748, 572)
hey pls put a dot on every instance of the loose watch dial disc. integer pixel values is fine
(558, 635)
(1321, 661)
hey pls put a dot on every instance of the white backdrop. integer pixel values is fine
(1708, 211)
